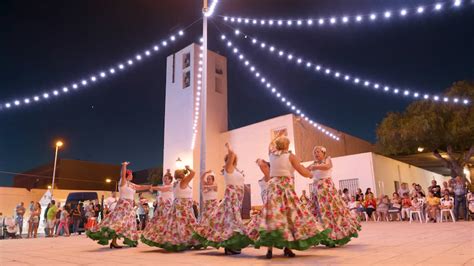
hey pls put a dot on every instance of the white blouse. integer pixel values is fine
(208, 193)
(280, 165)
(235, 178)
(320, 174)
(180, 193)
(165, 195)
(127, 192)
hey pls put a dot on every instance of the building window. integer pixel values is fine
(186, 79)
(279, 131)
(350, 184)
(186, 60)
(218, 85)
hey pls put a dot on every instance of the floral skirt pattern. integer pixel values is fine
(174, 230)
(120, 223)
(333, 212)
(162, 207)
(208, 207)
(224, 227)
(284, 221)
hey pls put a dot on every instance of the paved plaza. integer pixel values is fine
(380, 243)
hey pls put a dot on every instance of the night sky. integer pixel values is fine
(47, 44)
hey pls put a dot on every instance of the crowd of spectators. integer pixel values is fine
(452, 196)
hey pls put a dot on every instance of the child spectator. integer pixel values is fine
(406, 205)
(382, 207)
(395, 204)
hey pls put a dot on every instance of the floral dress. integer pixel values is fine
(285, 221)
(209, 195)
(330, 208)
(164, 202)
(253, 226)
(225, 228)
(120, 223)
(173, 231)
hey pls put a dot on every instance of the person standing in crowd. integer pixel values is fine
(225, 227)
(286, 223)
(173, 231)
(63, 221)
(45, 219)
(403, 189)
(120, 223)
(111, 201)
(20, 213)
(142, 214)
(34, 220)
(327, 204)
(460, 192)
(435, 189)
(76, 218)
(57, 218)
(51, 217)
(447, 189)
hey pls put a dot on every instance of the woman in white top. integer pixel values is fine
(121, 222)
(225, 227)
(253, 227)
(173, 231)
(327, 204)
(164, 198)
(209, 196)
(286, 223)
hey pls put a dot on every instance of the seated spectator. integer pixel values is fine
(359, 195)
(432, 206)
(353, 206)
(416, 204)
(369, 191)
(395, 205)
(413, 190)
(420, 190)
(406, 205)
(383, 204)
(370, 204)
(345, 195)
(447, 189)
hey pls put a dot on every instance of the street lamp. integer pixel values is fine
(179, 164)
(421, 149)
(108, 180)
(58, 145)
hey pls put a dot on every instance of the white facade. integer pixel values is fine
(251, 142)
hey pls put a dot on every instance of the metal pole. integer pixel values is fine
(202, 156)
(54, 170)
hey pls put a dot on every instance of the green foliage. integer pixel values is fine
(155, 176)
(431, 125)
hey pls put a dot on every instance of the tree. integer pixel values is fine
(155, 175)
(434, 126)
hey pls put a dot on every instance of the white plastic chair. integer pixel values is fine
(449, 211)
(420, 215)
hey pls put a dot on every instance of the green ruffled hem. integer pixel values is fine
(169, 246)
(340, 242)
(105, 234)
(275, 239)
(235, 242)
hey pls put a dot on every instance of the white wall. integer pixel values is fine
(388, 171)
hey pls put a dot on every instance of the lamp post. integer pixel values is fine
(108, 180)
(58, 145)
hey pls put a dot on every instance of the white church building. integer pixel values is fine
(355, 163)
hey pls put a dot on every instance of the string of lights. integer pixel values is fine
(210, 11)
(325, 21)
(291, 58)
(197, 100)
(94, 77)
(273, 90)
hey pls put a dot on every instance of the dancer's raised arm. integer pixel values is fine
(187, 178)
(296, 163)
(230, 159)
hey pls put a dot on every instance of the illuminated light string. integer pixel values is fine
(92, 78)
(210, 10)
(274, 91)
(385, 15)
(292, 58)
(197, 100)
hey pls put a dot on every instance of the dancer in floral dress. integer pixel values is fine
(286, 223)
(121, 222)
(253, 226)
(209, 196)
(165, 195)
(327, 204)
(225, 227)
(173, 231)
